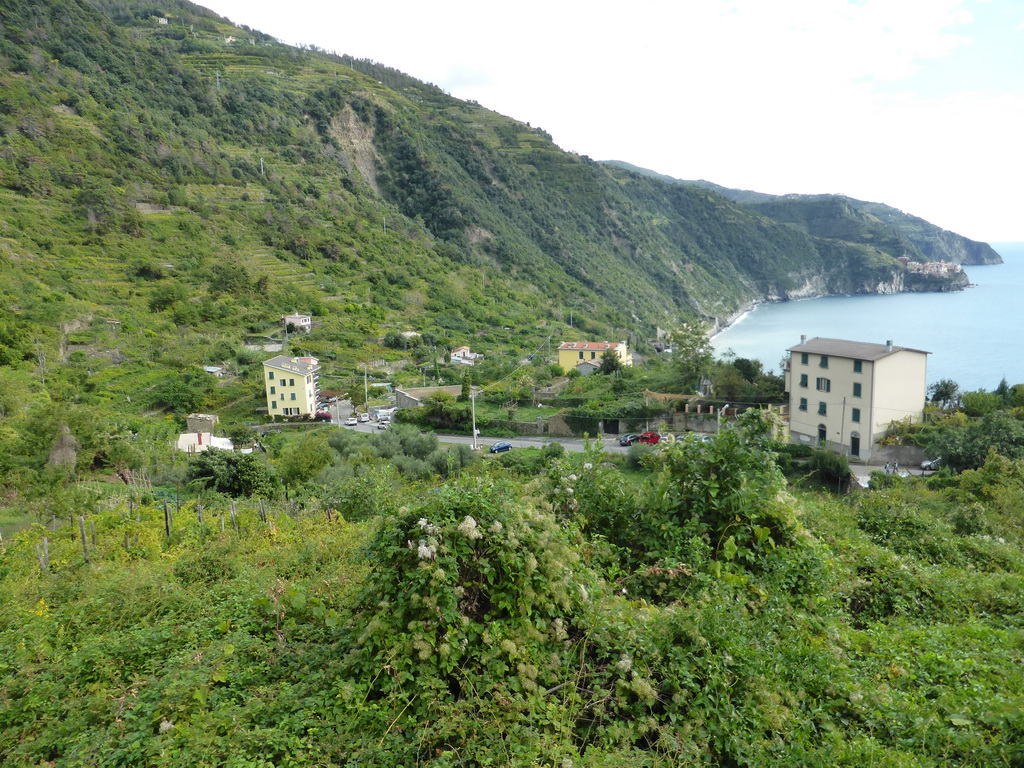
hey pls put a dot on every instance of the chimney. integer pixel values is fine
(888, 345)
(803, 338)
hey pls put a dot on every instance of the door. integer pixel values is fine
(855, 444)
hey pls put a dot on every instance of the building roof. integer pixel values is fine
(300, 365)
(589, 346)
(197, 442)
(855, 350)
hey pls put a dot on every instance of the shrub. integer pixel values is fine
(832, 469)
(637, 453)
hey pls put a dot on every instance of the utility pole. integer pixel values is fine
(472, 400)
(366, 391)
(842, 426)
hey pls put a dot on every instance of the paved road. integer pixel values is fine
(863, 472)
(484, 443)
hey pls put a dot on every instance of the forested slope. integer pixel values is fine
(837, 217)
(193, 180)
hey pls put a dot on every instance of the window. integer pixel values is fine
(593, 355)
(273, 390)
(823, 363)
(857, 366)
(270, 375)
(581, 355)
(855, 415)
(293, 395)
(803, 358)
(803, 379)
(856, 389)
(822, 409)
(291, 382)
(803, 403)
(273, 403)
(824, 385)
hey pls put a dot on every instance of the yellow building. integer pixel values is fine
(292, 385)
(844, 394)
(572, 353)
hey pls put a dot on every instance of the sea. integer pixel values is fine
(975, 336)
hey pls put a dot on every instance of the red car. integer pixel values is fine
(651, 438)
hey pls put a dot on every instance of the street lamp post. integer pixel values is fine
(472, 400)
(718, 427)
(366, 392)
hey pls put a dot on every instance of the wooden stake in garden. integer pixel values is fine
(263, 512)
(167, 520)
(85, 542)
(43, 553)
(234, 519)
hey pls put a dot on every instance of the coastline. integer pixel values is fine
(723, 324)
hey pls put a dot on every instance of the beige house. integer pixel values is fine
(303, 323)
(844, 394)
(572, 353)
(292, 385)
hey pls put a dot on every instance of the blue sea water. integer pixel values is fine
(975, 336)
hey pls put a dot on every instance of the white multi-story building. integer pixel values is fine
(844, 394)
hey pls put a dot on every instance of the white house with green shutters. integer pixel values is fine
(844, 394)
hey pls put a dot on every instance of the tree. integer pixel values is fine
(945, 392)
(693, 354)
(233, 474)
(1002, 390)
(981, 403)
(611, 363)
(303, 460)
(967, 447)
(467, 388)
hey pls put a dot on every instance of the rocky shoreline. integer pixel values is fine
(904, 282)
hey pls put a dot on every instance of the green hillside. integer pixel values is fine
(837, 217)
(696, 612)
(193, 181)
(336, 598)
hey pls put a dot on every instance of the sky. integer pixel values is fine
(915, 103)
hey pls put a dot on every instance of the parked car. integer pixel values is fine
(628, 439)
(364, 417)
(651, 438)
(504, 445)
(351, 421)
(932, 464)
(383, 424)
